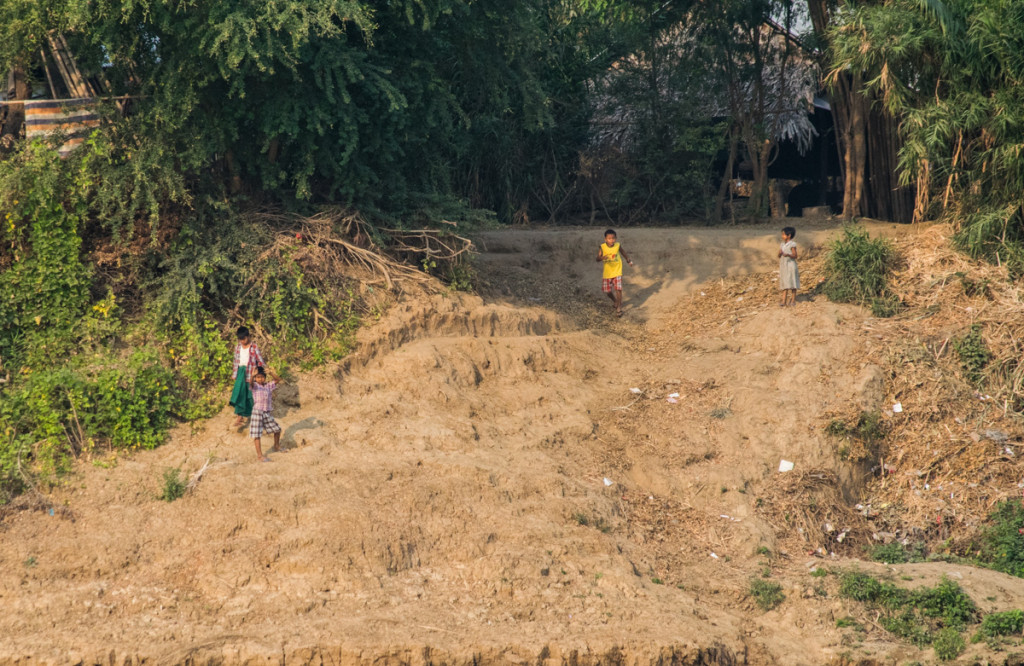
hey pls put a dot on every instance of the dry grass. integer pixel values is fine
(954, 450)
(331, 243)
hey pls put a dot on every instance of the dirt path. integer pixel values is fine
(479, 485)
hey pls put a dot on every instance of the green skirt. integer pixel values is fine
(241, 395)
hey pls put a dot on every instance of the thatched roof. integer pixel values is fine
(789, 104)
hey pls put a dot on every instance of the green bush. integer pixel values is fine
(857, 269)
(890, 553)
(201, 359)
(860, 586)
(1006, 623)
(1002, 543)
(766, 594)
(45, 289)
(948, 644)
(973, 353)
(174, 485)
(914, 615)
(53, 415)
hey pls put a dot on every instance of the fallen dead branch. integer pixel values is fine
(331, 243)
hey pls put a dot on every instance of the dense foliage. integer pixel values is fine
(952, 71)
(148, 236)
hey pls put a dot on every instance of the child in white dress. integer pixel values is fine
(789, 274)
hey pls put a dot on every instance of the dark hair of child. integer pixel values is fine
(259, 371)
(789, 231)
(610, 232)
(242, 332)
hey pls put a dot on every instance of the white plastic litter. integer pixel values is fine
(608, 481)
(785, 466)
(703, 294)
(673, 395)
(671, 401)
(714, 556)
(898, 407)
(635, 391)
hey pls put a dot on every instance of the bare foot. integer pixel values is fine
(275, 449)
(265, 459)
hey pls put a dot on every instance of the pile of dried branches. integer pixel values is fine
(811, 505)
(330, 244)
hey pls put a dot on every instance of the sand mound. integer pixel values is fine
(479, 484)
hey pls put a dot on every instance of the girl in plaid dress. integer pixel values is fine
(247, 359)
(261, 420)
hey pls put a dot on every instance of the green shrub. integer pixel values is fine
(914, 615)
(174, 485)
(973, 353)
(52, 415)
(948, 644)
(849, 622)
(947, 602)
(857, 269)
(766, 594)
(45, 290)
(890, 553)
(201, 359)
(1002, 546)
(860, 586)
(906, 625)
(897, 553)
(1006, 623)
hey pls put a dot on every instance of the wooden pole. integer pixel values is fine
(49, 78)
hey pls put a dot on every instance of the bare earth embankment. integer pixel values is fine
(478, 484)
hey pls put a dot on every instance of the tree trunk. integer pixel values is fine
(723, 187)
(759, 153)
(855, 158)
(869, 142)
(885, 199)
(17, 89)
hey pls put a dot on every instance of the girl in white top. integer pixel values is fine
(789, 274)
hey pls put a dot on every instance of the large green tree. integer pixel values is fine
(952, 71)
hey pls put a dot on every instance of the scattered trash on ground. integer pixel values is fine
(785, 466)
(996, 435)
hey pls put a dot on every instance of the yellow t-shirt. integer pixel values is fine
(612, 261)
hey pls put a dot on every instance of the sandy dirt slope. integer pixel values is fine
(443, 496)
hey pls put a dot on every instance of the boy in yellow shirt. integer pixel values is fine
(612, 254)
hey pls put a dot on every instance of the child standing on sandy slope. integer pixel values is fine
(612, 254)
(262, 421)
(243, 369)
(789, 274)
